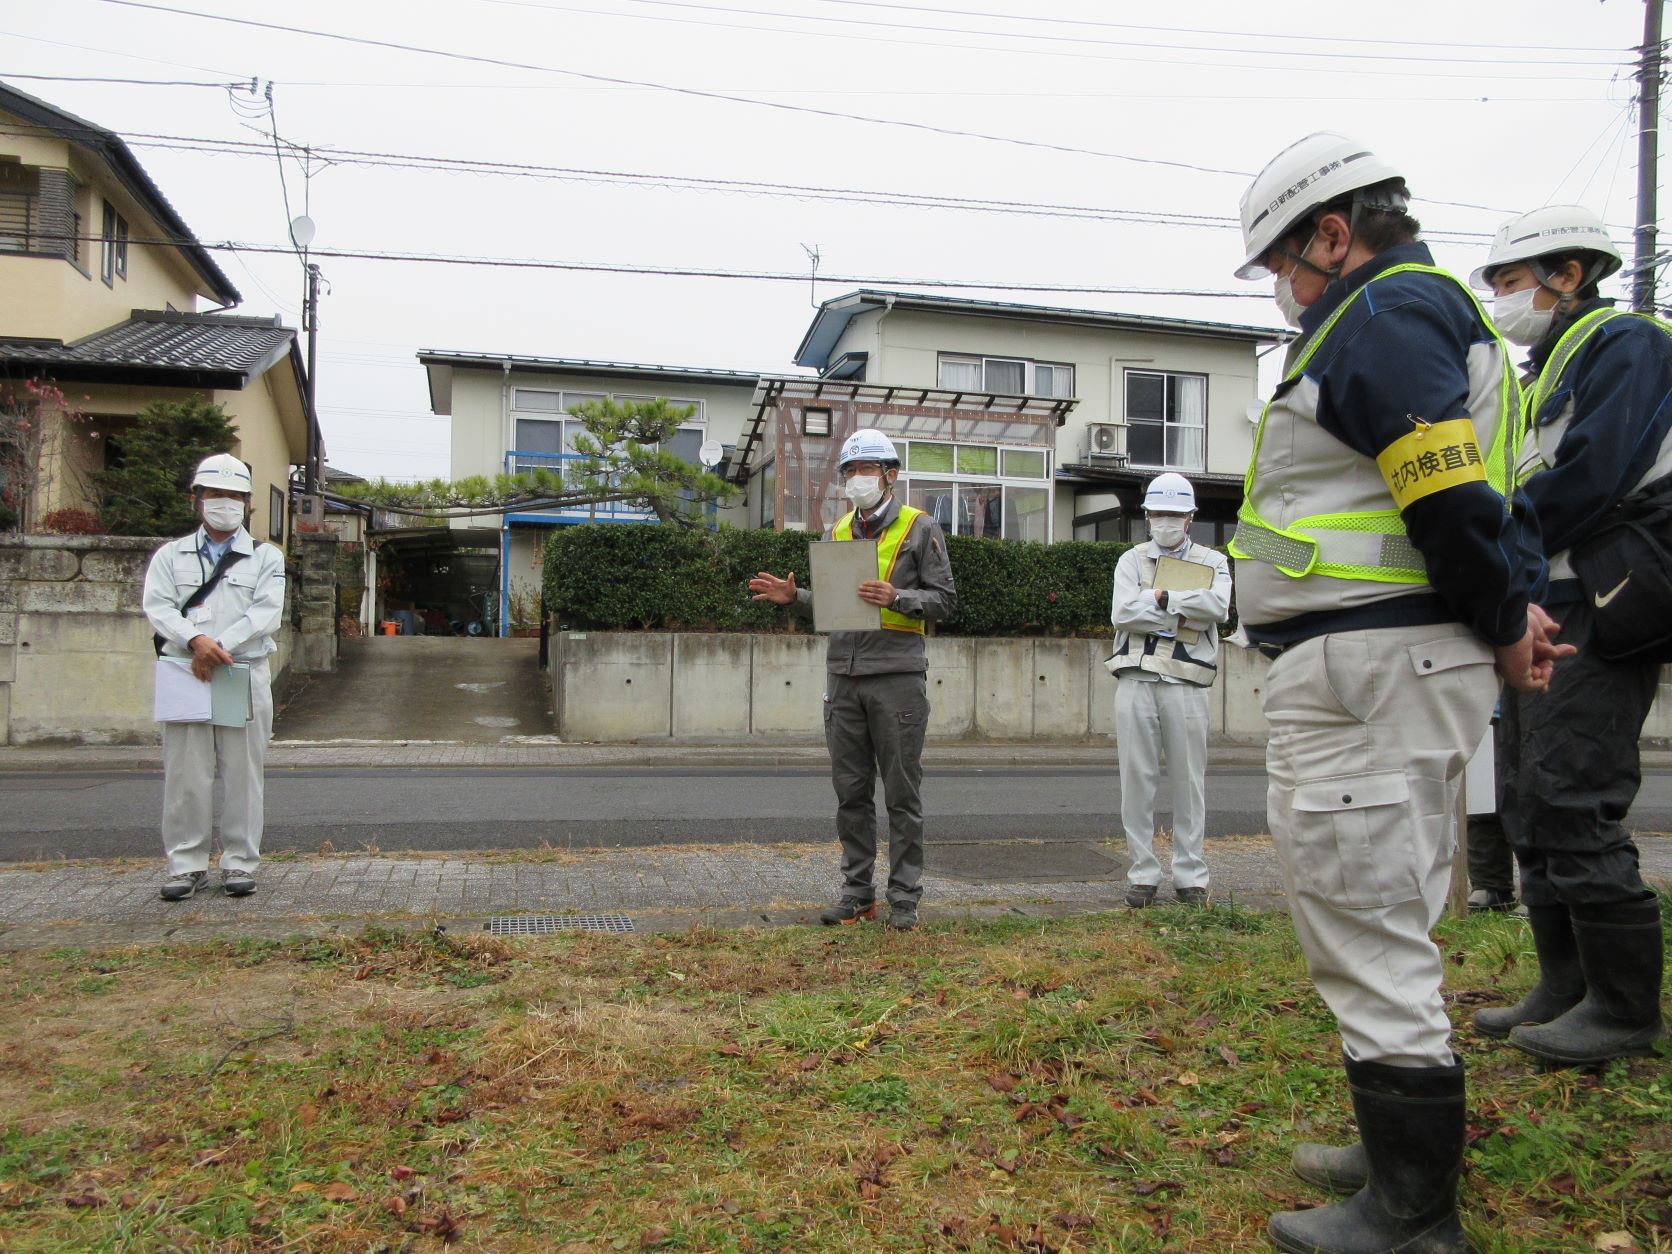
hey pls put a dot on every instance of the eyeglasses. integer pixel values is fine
(861, 468)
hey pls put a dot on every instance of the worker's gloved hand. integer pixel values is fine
(207, 654)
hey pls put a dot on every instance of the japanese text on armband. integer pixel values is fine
(1430, 459)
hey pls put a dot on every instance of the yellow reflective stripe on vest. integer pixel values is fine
(1561, 357)
(888, 553)
(1370, 545)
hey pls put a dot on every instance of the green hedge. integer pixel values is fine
(654, 578)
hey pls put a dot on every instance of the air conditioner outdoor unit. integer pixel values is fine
(1106, 440)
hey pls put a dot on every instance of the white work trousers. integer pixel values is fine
(1152, 717)
(1370, 732)
(192, 754)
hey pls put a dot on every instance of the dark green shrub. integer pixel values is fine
(610, 576)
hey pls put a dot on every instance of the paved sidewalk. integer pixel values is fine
(117, 902)
(114, 903)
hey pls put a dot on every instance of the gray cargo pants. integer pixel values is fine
(872, 724)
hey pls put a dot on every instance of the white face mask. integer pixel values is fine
(1284, 295)
(222, 514)
(1518, 321)
(1169, 533)
(863, 490)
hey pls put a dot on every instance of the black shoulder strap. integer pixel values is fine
(228, 559)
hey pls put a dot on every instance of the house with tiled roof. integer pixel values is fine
(105, 291)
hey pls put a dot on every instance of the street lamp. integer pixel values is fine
(302, 234)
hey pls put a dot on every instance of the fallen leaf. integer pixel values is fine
(1001, 1082)
(1145, 1187)
(1188, 1078)
(304, 1186)
(650, 1238)
(729, 1207)
(870, 1190)
(338, 1191)
(1615, 1243)
(395, 1205)
(810, 1062)
(1072, 1222)
(401, 1172)
(307, 1112)
(1223, 1156)
(81, 1201)
(1229, 1055)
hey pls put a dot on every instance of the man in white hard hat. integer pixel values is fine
(1166, 656)
(233, 621)
(1379, 567)
(876, 702)
(1598, 451)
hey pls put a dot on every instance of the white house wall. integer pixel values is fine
(905, 347)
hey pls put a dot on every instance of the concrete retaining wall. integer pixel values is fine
(616, 687)
(75, 650)
(631, 686)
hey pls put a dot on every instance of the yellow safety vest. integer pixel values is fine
(888, 552)
(1301, 548)
(1555, 366)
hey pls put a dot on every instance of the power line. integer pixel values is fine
(600, 267)
(747, 187)
(1188, 30)
(1012, 35)
(506, 63)
(722, 96)
(131, 82)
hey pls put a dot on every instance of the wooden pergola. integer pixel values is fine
(806, 421)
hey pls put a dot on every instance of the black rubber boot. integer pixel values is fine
(1411, 1128)
(1337, 1168)
(1561, 981)
(1621, 951)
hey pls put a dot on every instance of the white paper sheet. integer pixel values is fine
(181, 696)
(838, 568)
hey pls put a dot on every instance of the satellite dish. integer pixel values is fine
(302, 230)
(710, 453)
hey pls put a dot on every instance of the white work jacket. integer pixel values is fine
(1181, 642)
(242, 612)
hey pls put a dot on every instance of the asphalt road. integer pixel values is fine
(98, 814)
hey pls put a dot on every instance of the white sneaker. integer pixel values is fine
(185, 884)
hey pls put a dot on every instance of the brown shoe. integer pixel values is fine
(1193, 897)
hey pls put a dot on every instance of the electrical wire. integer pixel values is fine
(1013, 35)
(602, 267)
(506, 63)
(930, 128)
(746, 187)
(1188, 30)
(130, 82)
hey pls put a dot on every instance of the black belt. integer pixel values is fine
(1273, 651)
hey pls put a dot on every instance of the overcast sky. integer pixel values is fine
(1488, 106)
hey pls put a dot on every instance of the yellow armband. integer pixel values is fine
(1430, 459)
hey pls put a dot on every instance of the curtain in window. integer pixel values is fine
(1187, 439)
(1006, 377)
(960, 376)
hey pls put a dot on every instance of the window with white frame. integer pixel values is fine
(982, 490)
(545, 427)
(1009, 376)
(1166, 419)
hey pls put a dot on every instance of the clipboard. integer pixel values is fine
(182, 697)
(837, 568)
(1174, 574)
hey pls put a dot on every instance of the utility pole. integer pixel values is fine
(1648, 151)
(310, 472)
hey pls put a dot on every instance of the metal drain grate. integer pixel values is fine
(545, 924)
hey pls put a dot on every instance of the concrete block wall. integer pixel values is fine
(615, 687)
(76, 658)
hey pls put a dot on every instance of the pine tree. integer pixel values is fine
(149, 494)
(622, 457)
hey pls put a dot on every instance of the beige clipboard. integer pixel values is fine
(837, 568)
(1174, 574)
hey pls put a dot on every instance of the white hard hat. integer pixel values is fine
(1308, 173)
(867, 445)
(223, 471)
(1552, 229)
(1169, 493)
